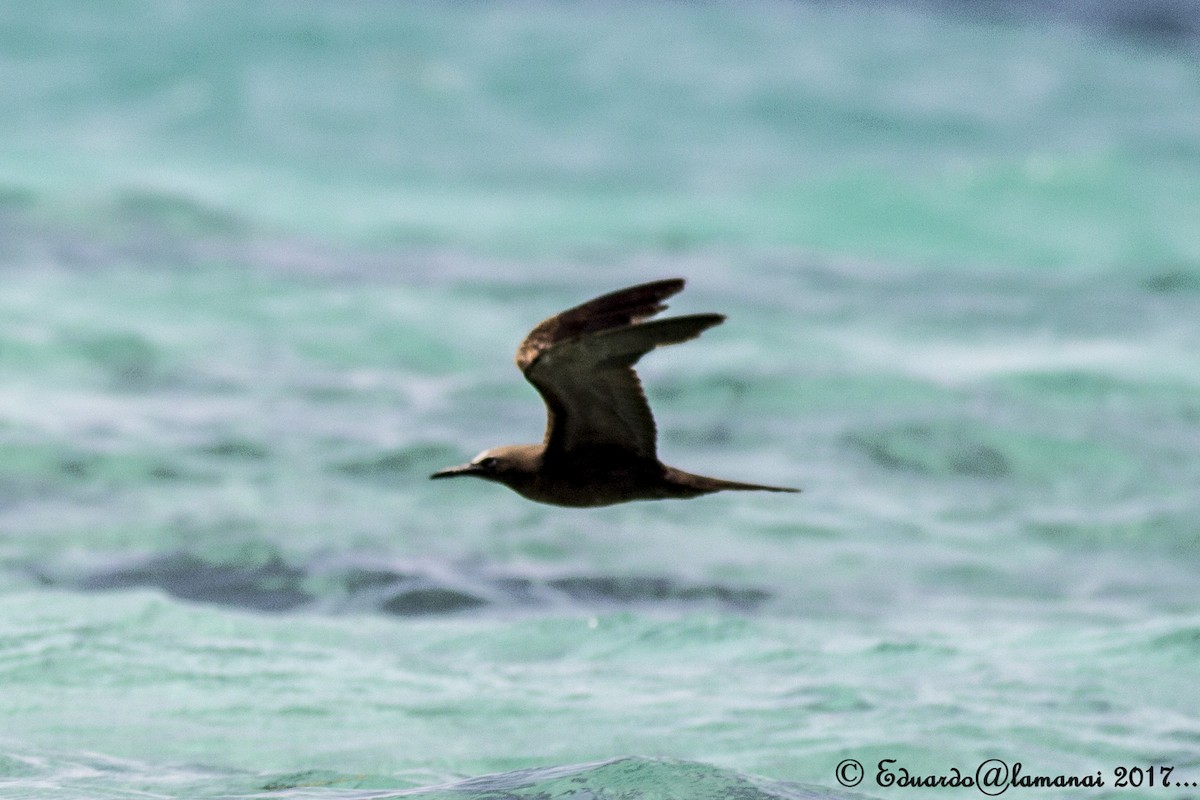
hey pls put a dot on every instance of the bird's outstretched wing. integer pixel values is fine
(581, 361)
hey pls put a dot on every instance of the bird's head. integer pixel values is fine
(510, 465)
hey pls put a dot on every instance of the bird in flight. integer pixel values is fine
(599, 448)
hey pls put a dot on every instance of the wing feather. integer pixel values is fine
(582, 360)
(614, 310)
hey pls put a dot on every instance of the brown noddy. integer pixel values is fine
(599, 447)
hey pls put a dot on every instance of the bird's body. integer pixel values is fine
(599, 447)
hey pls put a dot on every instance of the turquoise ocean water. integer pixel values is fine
(263, 267)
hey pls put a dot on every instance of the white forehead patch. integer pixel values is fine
(481, 456)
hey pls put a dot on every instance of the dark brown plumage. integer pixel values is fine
(599, 448)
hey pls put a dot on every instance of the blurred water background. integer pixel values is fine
(263, 267)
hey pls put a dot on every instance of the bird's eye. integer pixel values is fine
(488, 463)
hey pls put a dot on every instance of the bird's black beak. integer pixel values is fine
(454, 472)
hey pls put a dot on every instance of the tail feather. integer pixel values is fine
(748, 487)
(702, 484)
